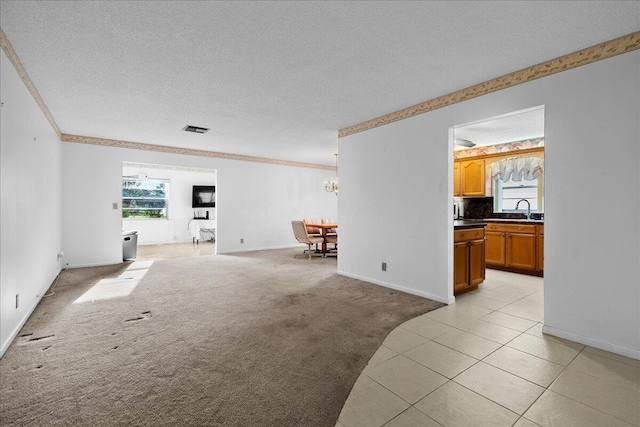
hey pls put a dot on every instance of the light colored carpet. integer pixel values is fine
(257, 339)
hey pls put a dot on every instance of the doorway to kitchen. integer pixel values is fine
(168, 211)
(498, 209)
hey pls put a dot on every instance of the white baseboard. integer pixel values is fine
(399, 288)
(93, 264)
(592, 342)
(12, 336)
(153, 243)
(235, 251)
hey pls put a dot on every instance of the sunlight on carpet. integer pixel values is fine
(117, 287)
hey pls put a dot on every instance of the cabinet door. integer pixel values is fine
(456, 179)
(521, 251)
(472, 178)
(460, 266)
(476, 262)
(495, 250)
(540, 253)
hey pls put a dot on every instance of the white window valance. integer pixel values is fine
(517, 169)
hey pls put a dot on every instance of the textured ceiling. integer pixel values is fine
(278, 79)
(515, 126)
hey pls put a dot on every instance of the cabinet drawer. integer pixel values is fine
(468, 234)
(541, 230)
(494, 226)
(523, 229)
(512, 228)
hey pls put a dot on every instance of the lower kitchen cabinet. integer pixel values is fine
(468, 259)
(515, 247)
(521, 250)
(540, 247)
(496, 248)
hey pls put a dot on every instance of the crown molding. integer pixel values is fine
(167, 167)
(13, 57)
(586, 56)
(186, 151)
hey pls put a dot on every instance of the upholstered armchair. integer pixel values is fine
(312, 231)
(302, 236)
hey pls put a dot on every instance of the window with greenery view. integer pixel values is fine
(146, 198)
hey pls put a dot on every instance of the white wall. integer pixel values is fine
(396, 195)
(255, 201)
(176, 227)
(31, 210)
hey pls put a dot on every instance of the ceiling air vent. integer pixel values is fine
(195, 129)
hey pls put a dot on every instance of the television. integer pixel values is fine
(204, 196)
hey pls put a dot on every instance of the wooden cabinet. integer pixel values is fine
(495, 248)
(521, 250)
(477, 265)
(472, 178)
(540, 247)
(513, 246)
(456, 179)
(468, 259)
(460, 266)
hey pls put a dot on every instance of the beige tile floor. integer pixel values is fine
(174, 250)
(484, 361)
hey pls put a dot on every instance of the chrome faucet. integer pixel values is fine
(528, 207)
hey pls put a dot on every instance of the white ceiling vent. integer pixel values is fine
(195, 129)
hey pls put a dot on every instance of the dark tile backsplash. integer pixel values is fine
(482, 208)
(478, 207)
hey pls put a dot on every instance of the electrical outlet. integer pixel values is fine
(114, 206)
(17, 300)
(241, 240)
(384, 266)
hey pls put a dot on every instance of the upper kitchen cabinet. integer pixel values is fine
(456, 179)
(472, 177)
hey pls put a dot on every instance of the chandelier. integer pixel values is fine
(332, 186)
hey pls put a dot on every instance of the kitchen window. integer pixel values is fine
(506, 195)
(145, 198)
(515, 179)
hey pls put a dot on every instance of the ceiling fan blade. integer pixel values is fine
(464, 143)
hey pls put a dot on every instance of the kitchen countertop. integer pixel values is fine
(459, 224)
(519, 221)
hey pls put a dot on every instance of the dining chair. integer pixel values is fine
(302, 236)
(332, 239)
(330, 231)
(313, 231)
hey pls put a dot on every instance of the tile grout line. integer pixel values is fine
(416, 410)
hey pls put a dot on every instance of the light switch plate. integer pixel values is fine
(115, 206)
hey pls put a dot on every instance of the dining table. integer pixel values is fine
(324, 228)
